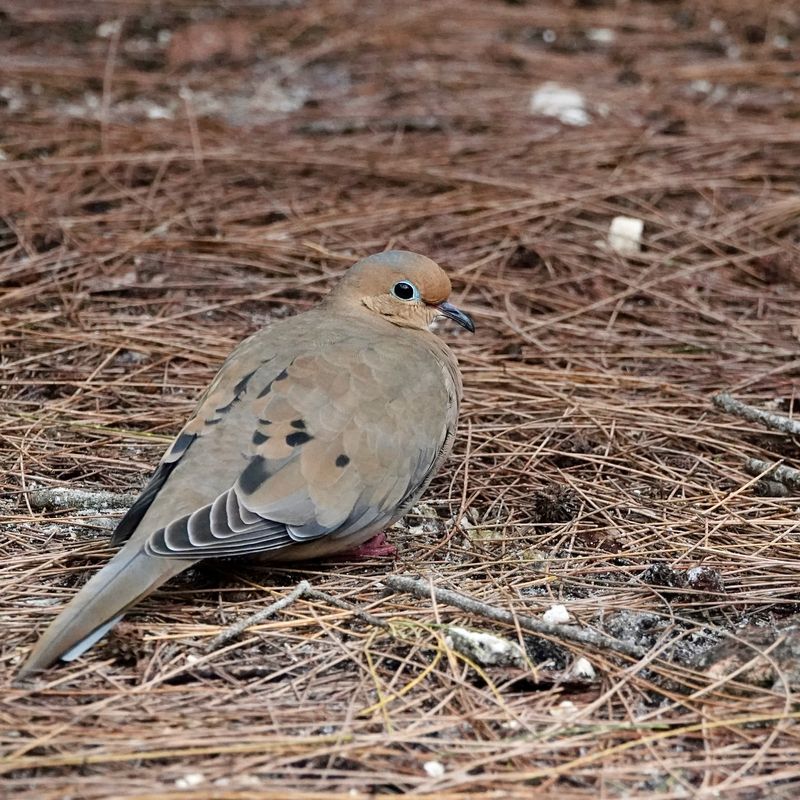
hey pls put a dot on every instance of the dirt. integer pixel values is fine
(174, 176)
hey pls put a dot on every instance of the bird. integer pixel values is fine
(318, 432)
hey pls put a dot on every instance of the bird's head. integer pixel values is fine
(404, 288)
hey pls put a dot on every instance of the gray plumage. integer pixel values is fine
(318, 432)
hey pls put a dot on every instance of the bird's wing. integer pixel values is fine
(336, 442)
(214, 405)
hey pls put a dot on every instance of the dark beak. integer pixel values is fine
(457, 315)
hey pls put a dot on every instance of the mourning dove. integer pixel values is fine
(319, 431)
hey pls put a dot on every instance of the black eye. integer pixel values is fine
(405, 291)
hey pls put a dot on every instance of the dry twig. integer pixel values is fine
(780, 473)
(303, 589)
(776, 422)
(65, 497)
(565, 633)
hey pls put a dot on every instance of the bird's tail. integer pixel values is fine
(100, 604)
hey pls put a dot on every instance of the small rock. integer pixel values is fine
(105, 30)
(190, 780)
(565, 104)
(556, 615)
(704, 579)
(661, 574)
(582, 668)
(635, 627)
(601, 35)
(435, 769)
(564, 709)
(625, 235)
(485, 648)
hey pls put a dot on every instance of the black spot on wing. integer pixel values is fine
(255, 473)
(282, 375)
(226, 408)
(242, 384)
(238, 390)
(299, 424)
(298, 438)
(342, 460)
(259, 438)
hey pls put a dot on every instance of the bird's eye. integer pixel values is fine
(404, 290)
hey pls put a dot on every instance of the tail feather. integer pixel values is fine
(100, 604)
(93, 638)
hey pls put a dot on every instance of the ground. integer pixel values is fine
(175, 175)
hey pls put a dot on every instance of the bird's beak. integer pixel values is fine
(457, 315)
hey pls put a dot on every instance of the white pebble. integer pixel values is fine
(435, 769)
(564, 709)
(701, 86)
(556, 615)
(565, 104)
(601, 35)
(105, 30)
(190, 779)
(625, 235)
(582, 668)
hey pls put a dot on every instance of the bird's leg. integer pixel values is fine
(376, 547)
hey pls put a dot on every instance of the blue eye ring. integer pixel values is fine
(405, 290)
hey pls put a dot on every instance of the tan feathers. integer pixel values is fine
(318, 432)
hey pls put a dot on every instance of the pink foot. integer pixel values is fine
(376, 547)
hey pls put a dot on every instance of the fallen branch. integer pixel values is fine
(599, 641)
(785, 476)
(776, 422)
(238, 628)
(303, 589)
(767, 488)
(84, 499)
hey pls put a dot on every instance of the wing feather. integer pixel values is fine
(335, 443)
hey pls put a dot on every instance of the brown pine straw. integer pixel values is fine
(156, 211)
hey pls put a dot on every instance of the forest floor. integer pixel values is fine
(174, 175)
